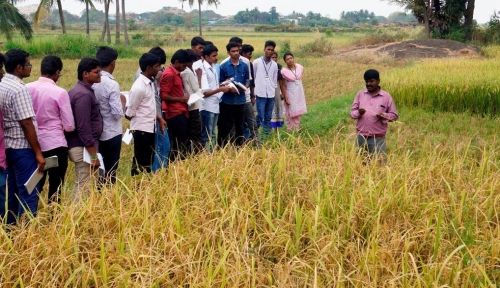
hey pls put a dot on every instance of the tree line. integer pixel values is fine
(12, 20)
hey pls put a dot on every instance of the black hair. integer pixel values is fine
(87, 65)
(15, 57)
(209, 43)
(209, 49)
(270, 43)
(2, 59)
(197, 40)
(158, 51)
(287, 54)
(236, 39)
(148, 59)
(231, 45)
(246, 48)
(371, 74)
(106, 55)
(50, 65)
(193, 57)
(181, 56)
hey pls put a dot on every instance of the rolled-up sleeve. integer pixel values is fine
(83, 106)
(136, 94)
(68, 122)
(391, 112)
(115, 102)
(355, 107)
(166, 86)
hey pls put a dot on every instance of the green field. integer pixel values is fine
(303, 210)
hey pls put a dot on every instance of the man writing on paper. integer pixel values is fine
(174, 103)
(88, 127)
(142, 113)
(23, 152)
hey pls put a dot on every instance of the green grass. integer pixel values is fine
(66, 47)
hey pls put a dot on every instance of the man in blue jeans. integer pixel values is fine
(266, 81)
(211, 92)
(23, 152)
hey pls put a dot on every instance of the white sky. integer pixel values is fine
(331, 8)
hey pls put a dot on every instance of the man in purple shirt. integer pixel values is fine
(23, 152)
(373, 108)
(54, 117)
(88, 126)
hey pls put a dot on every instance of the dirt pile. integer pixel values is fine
(415, 49)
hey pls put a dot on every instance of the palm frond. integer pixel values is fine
(11, 20)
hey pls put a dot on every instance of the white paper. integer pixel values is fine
(86, 159)
(50, 162)
(195, 97)
(240, 86)
(233, 88)
(33, 181)
(127, 137)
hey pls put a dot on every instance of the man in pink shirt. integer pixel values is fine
(54, 116)
(373, 109)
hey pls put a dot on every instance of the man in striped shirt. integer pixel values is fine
(23, 152)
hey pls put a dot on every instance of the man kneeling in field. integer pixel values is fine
(373, 108)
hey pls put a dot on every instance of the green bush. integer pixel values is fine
(328, 33)
(285, 47)
(66, 46)
(318, 47)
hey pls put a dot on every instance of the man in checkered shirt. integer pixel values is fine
(23, 152)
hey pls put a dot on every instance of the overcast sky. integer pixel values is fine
(332, 8)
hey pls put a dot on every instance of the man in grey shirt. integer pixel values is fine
(111, 105)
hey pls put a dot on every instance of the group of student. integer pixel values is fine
(191, 105)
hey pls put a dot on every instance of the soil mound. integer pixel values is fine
(415, 49)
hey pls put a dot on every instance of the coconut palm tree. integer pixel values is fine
(44, 8)
(11, 19)
(125, 28)
(117, 22)
(106, 31)
(88, 4)
(201, 2)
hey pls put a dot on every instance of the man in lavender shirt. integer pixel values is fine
(88, 126)
(373, 108)
(111, 104)
(54, 117)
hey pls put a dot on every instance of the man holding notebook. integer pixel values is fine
(23, 152)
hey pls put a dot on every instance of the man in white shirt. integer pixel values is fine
(266, 79)
(142, 113)
(211, 92)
